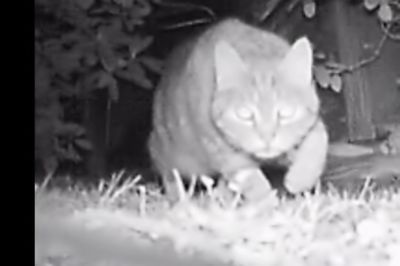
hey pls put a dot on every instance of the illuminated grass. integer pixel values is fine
(135, 224)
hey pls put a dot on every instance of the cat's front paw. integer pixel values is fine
(300, 183)
(252, 184)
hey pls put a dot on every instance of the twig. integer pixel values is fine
(188, 6)
(386, 29)
(339, 69)
(188, 23)
(271, 6)
(292, 5)
(375, 54)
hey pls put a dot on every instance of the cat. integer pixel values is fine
(232, 98)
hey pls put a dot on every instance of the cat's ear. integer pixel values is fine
(229, 66)
(297, 65)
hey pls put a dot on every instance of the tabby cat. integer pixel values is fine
(232, 98)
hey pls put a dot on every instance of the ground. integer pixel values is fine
(122, 223)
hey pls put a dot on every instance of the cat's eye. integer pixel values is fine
(244, 113)
(287, 113)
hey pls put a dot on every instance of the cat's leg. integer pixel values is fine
(308, 162)
(251, 183)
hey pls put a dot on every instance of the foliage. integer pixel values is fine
(328, 74)
(82, 46)
(86, 45)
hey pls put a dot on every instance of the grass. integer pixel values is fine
(123, 223)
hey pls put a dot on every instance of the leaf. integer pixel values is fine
(151, 63)
(71, 129)
(371, 4)
(124, 3)
(89, 81)
(72, 154)
(336, 83)
(139, 44)
(105, 80)
(322, 76)
(320, 55)
(84, 144)
(106, 9)
(66, 62)
(309, 8)
(66, 89)
(65, 150)
(113, 34)
(142, 8)
(89, 51)
(136, 74)
(334, 65)
(140, 77)
(385, 13)
(107, 56)
(122, 63)
(90, 59)
(42, 80)
(108, 81)
(133, 22)
(84, 4)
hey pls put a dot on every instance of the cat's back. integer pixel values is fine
(252, 43)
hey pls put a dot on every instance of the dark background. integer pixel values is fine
(343, 30)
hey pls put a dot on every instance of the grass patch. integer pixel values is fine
(123, 223)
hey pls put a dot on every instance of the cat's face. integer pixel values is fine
(264, 110)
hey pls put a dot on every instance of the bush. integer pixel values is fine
(82, 46)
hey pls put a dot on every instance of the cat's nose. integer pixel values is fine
(267, 153)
